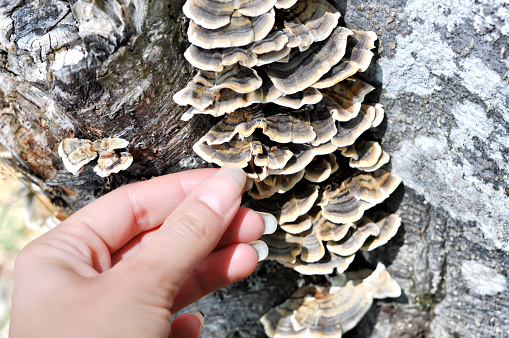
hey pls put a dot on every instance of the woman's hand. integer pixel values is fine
(123, 264)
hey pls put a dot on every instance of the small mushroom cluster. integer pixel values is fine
(75, 153)
(280, 73)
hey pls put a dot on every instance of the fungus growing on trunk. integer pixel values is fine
(75, 153)
(296, 122)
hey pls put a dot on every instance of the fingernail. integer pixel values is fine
(269, 222)
(223, 189)
(200, 317)
(262, 250)
(235, 173)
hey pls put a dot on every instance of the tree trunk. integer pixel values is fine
(94, 69)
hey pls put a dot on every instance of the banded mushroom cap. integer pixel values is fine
(283, 127)
(240, 31)
(75, 153)
(110, 144)
(310, 21)
(212, 14)
(304, 69)
(281, 184)
(323, 124)
(344, 99)
(109, 163)
(202, 91)
(329, 231)
(299, 99)
(324, 266)
(363, 153)
(289, 206)
(347, 202)
(270, 49)
(349, 131)
(283, 247)
(227, 100)
(303, 154)
(357, 59)
(283, 4)
(388, 224)
(241, 151)
(373, 187)
(349, 245)
(315, 311)
(321, 167)
(301, 224)
(311, 248)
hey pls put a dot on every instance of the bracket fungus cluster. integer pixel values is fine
(281, 76)
(75, 153)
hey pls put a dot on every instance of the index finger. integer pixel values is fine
(120, 215)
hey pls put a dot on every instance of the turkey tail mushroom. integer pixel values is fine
(280, 74)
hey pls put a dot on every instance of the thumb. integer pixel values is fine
(190, 233)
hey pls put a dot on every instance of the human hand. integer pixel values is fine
(121, 266)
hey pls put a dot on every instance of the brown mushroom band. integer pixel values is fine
(280, 75)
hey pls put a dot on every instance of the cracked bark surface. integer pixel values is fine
(110, 67)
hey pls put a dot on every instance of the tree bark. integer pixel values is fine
(94, 69)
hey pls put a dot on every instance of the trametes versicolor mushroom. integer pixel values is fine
(75, 153)
(280, 73)
(330, 310)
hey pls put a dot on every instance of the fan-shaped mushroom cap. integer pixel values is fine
(321, 167)
(300, 225)
(109, 163)
(212, 14)
(328, 231)
(281, 184)
(270, 49)
(283, 4)
(341, 206)
(297, 100)
(282, 127)
(349, 245)
(312, 248)
(310, 21)
(380, 284)
(283, 247)
(358, 59)
(384, 159)
(289, 206)
(374, 187)
(238, 152)
(75, 153)
(388, 224)
(313, 312)
(349, 131)
(324, 266)
(274, 157)
(228, 101)
(202, 91)
(363, 153)
(303, 154)
(240, 31)
(110, 144)
(379, 115)
(304, 69)
(348, 202)
(323, 125)
(351, 89)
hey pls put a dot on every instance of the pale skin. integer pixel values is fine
(121, 266)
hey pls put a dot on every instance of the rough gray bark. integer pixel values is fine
(110, 67)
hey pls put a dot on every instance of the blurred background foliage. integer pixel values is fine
(25, 213)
